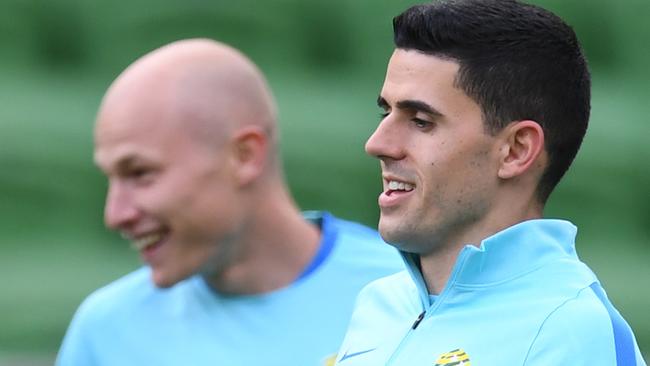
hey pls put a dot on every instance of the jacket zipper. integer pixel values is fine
(460, 261)
(418, 320)
(406, 336)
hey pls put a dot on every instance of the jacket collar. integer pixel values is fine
(507, 254)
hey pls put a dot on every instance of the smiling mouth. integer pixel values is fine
(397, 186)
(146, 241)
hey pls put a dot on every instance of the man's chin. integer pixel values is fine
(392, 237)
(160, 280)
(390, 231)
(399, 238)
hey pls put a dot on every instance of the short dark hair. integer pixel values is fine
(517, 61)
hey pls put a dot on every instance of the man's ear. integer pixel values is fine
(249, 153)
(522, 148)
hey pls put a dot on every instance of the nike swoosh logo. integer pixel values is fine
(350, 355)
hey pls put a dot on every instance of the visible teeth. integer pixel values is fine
(399, 186)
(145, 241)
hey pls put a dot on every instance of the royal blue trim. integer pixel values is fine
(327, 241)
(623, 340)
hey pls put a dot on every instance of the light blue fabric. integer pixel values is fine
(131, 322)
(522, 298)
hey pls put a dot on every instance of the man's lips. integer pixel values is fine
(395, 191)
(149, 243)
(394, 183)
(398, 186)
(146, 241)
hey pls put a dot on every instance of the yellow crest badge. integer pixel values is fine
(329, 360)
(457, 357)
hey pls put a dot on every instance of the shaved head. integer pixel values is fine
(200, 86)
(186, 138)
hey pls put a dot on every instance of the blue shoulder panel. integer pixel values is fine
(623, 340)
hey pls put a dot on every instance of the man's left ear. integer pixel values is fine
(250, 152)
(521, 149)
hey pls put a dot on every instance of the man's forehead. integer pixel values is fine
(110, 133)
(108, 156)
(413, 62)
(417, 81)
(414, 72)
(118, 137)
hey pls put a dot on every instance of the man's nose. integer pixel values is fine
(120, 210)
(385, 142)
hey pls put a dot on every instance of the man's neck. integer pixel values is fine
(436, 266)
(278, 245)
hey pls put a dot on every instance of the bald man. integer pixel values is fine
(235, 274)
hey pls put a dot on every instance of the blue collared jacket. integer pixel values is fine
(520, 298)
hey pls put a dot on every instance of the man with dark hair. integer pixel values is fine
(188, 139)
(485, 104)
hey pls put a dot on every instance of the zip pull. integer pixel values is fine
(418, 320)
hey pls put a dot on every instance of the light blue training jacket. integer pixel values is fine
(131, 322)
(522, 298)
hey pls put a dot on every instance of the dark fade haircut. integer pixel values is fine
(517, 62)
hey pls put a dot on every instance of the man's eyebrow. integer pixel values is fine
(410, 104)
(419, 106)
(382, 103)
(123, 162)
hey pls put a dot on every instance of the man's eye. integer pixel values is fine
(420, 123)
(139, 173)
(383, 115)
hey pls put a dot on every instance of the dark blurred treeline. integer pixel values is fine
(315, 34)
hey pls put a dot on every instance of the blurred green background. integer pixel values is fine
(325, 62)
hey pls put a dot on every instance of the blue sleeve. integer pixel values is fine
(579, 332)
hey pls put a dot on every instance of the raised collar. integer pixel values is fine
(507, 254)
